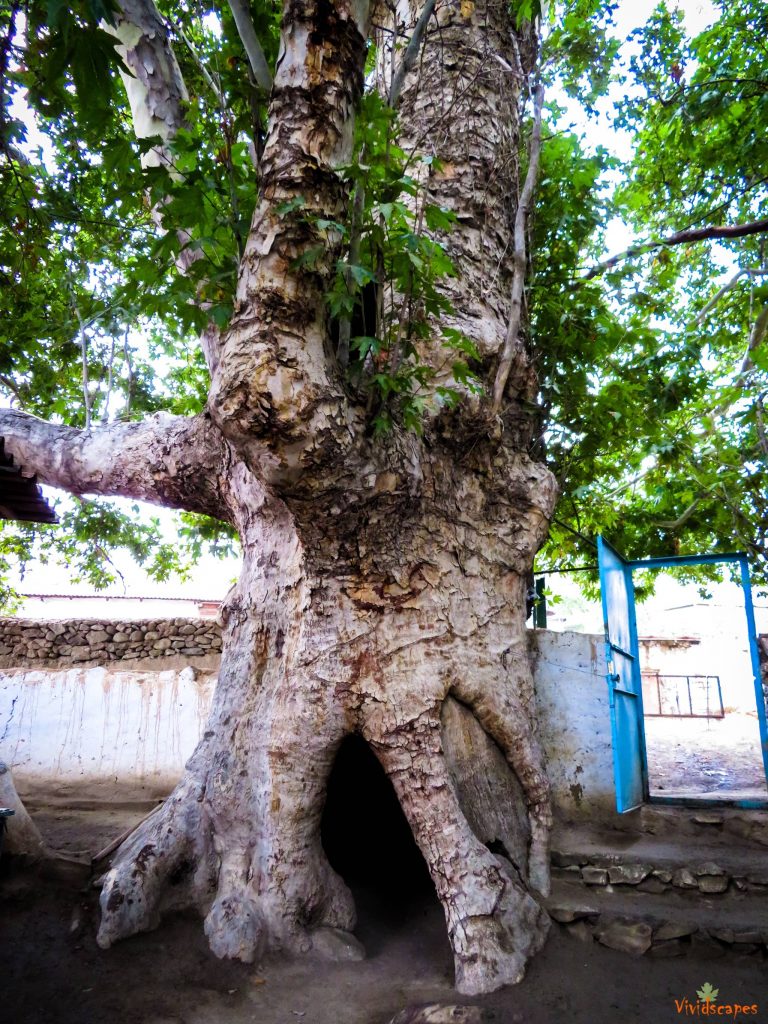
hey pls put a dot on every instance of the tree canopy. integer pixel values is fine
(652, 367)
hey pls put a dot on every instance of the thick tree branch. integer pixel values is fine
(275, 380)
(174, 461)
(755, 339)
(153, 79)
(157, 96)
(745, 272)
(689, 235)
(519, 256)
(411, 53)
(251, 44)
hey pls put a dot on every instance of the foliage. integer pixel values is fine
(399, 253)
(657, 437)
(656, 434)
(83, 261)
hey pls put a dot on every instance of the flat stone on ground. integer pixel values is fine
(673, 930)
(440, 1014)
(565, 916)
(336, 945)
(633, 937)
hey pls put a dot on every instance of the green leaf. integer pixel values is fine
(707, 993)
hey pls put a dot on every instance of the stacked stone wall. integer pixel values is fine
(97, 641)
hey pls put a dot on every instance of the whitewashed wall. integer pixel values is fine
(112, 734)
(574, 721)
(98, 734)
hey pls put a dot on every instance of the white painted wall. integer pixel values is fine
(100, 734)
(574, 721)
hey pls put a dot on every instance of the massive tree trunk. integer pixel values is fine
(384, 579)
(349, 619)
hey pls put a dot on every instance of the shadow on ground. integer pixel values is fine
(53, 973)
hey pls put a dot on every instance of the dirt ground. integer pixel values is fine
(696, 757)
(53, 973)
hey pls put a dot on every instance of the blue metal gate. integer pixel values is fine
(624, 677)
(625, 689)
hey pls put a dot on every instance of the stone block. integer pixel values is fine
(711, 884)
(708, 868)
(628, 874)
(594, 876)
(634, 937)
(684, 879)
(655, 886)
(673, 930)
(565, 916)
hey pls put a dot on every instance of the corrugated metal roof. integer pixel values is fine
(20, 497)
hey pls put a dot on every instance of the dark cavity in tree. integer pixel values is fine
(364, 832)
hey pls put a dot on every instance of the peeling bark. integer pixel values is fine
(383, 584)
(357, 619)
(461, 104)
(274, 378)
(174, 461)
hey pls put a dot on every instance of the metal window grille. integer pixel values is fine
(679, 696)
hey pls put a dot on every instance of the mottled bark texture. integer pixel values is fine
(461, 105)
(383, 583)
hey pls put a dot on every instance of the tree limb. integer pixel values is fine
(519, 256)
(157, 96)
(274, 378)
(755, 339)
(176, 461)
(251, 44)
(682, 519)
(689, 235)
(411, 53)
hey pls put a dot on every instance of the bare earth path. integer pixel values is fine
(53, 973)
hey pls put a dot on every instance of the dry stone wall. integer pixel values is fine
(96, 641)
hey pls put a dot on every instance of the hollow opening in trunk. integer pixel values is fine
(365, 834)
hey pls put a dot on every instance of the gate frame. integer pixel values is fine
(732, 558)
